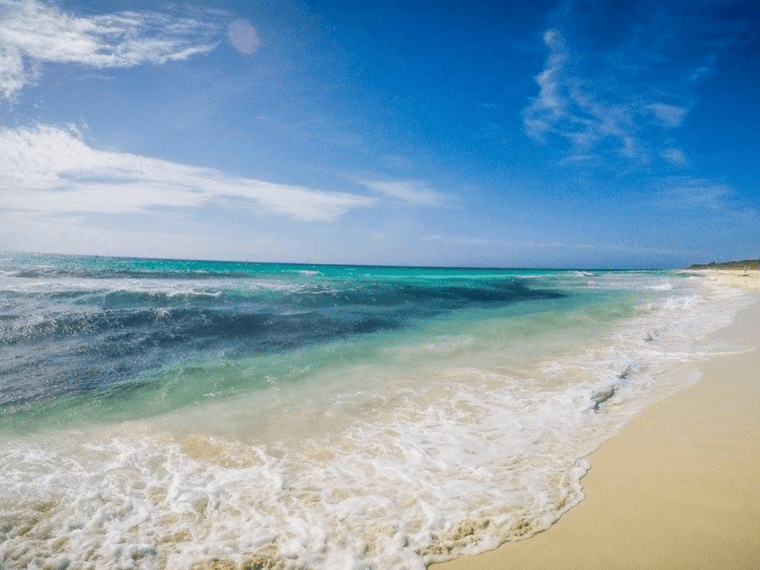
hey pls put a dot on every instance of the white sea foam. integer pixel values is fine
(397, 463)
(10, 283)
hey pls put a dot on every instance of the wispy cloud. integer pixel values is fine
(620, 81)
(53, 171)
(669, 116)
(33, 33)
(674, 156)
(597, 110)
(550, 107)
(411, 191)
(696, 194)
(461, 241)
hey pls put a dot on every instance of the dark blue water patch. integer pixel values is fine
(438, 295)
(82, 353)
(72, 341)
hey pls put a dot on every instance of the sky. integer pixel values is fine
(513, 133)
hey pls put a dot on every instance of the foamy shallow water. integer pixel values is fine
(389, 450)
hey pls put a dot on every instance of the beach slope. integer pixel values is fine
(679, 488)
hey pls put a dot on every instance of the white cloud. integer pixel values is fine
(598, 106)
(696, 194)
(718, 200)
(568, 105)
(670, 116)
(549, 107)
(674, 156)
(52, 171)
(33, 33)
(410, 191)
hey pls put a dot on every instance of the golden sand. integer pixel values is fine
(734, 277)
(679, 488)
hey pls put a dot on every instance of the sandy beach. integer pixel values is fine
(679, 488)
(748, 278)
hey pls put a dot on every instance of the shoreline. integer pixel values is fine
(746, 278)
(678, 487)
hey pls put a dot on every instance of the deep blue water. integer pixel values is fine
(79, 325)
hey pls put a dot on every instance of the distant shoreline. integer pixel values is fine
(742, 264)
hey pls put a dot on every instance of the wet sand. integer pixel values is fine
(679, 488)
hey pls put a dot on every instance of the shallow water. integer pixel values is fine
(169, 414)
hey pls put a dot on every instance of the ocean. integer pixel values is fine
(203, 414)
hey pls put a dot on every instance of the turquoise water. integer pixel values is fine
(166, 414)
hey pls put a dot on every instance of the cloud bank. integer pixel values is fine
(50, 171)
(33, 33)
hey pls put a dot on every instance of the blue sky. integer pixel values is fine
(518, 134)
